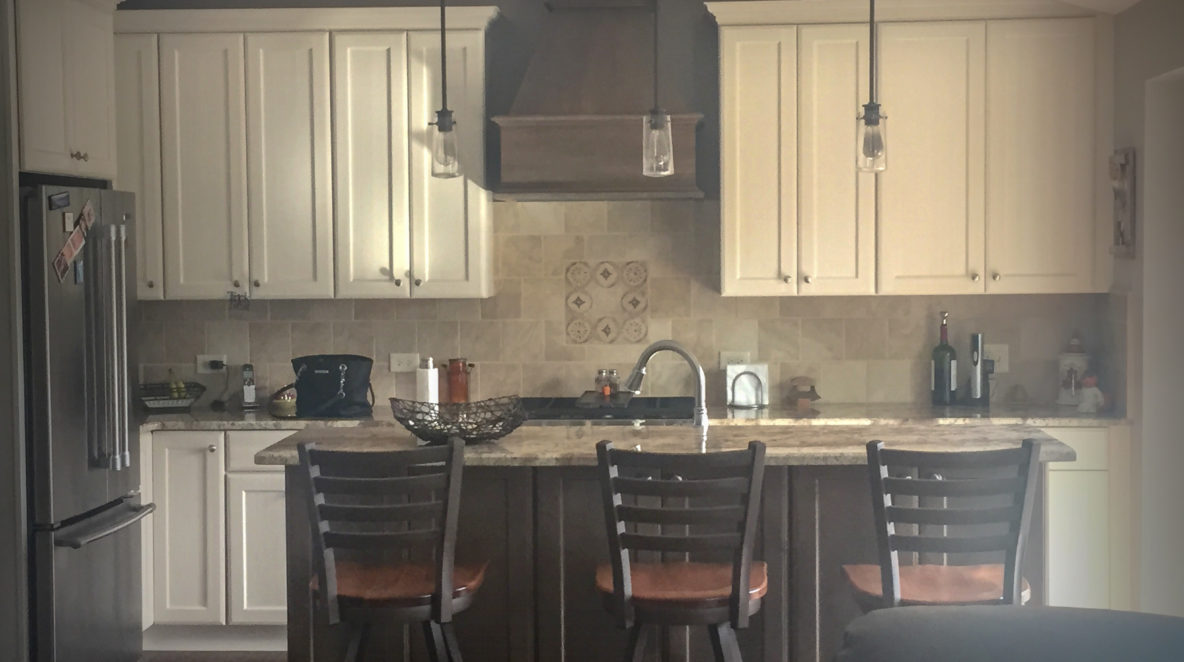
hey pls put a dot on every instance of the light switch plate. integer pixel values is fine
(404, 362)
(998, 354)
(203, 363)
(738, 356)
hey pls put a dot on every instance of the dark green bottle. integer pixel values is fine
(944, 369)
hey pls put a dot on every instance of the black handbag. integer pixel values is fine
(333, 386)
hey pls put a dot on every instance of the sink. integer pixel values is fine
(638, 408)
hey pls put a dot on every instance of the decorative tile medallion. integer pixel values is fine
(607, 302)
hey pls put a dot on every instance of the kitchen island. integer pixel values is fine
(531, 506)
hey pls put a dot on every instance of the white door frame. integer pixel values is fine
(1162, 456)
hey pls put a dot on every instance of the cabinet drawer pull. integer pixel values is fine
(787, 279)
(398, 282)
(975, 277)
(808, 279)
(418, 282)
(256, 283)
(212, 448)
(996, 276)
(151, 284)
(237, 284)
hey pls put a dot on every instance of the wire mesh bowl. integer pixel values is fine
(472, 421)
(165, 397)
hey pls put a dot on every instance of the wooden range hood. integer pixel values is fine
(574, 131)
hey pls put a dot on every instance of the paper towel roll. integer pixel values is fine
(427, 382)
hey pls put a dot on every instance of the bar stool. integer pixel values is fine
(1006, 477)
(701, 503)
(384, 540)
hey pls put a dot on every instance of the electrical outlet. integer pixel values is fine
(727, 358)
(203, 363)
(998, 354)
(404, 362)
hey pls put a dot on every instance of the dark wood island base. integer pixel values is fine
(541, 527)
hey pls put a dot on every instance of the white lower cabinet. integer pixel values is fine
(255, 528)
(1088, 521)
(218, 544)
(189, 570)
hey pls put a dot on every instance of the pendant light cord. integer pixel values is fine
(872, 47)
(444, 60)
(655, 54)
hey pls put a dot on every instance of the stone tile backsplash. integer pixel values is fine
(859, 349)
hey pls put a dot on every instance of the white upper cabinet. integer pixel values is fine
(203, 143)
(66, 74)
(931, 223)
(758, 148)
(1041, 155)
(451, 219)
(998, 133)
(836, 202)
(137, 91)
(373, 253)
(296, 158)
(289, 180)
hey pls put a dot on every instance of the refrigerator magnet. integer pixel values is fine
(87, 218)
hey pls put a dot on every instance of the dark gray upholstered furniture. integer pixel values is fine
(1011, 634)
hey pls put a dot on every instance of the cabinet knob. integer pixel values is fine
(212, 448)
(808, 279)
(418, 282)
(975, 277)
(996, 276)
(398, 282)
(86, 156)
(151, 284)
(256, 283)
(237, 284)
(787, 279)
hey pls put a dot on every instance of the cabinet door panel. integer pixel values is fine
(931, 208)
(90, 87)
(255, 520)
(758, 86)
(204, 170)
(370, 153)
(1078, 539)
(837, 203)
(137, 87)
(189, 550)
(451, 226)
(42, 98)
(1040, 155)
(289, 173)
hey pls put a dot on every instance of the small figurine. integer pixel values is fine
(1091, 398)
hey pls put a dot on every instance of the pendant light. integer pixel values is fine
(657, 148)
(871, 144)
(445, 155)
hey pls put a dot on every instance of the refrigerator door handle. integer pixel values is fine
(123, 443)
(111, 352)
(102, 525)
(96, 397)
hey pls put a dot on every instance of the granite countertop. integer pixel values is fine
(549, 446)
(829, 414)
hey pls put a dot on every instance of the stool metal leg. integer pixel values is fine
(723, 643)
(635, 650)
(434, 637)
(450, 642)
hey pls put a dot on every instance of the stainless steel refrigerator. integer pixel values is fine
(78, 272)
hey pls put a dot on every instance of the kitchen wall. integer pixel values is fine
(860, 349)
(1148, 46)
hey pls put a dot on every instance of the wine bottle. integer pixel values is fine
(943, 371)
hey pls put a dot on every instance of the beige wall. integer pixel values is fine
(1148, 44)
(860, 349)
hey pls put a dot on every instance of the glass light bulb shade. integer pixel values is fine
(657, 146)
(445, 153)
(872, 144)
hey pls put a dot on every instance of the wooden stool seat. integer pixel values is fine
(402, 585)
(934, 585)
(685, 581)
